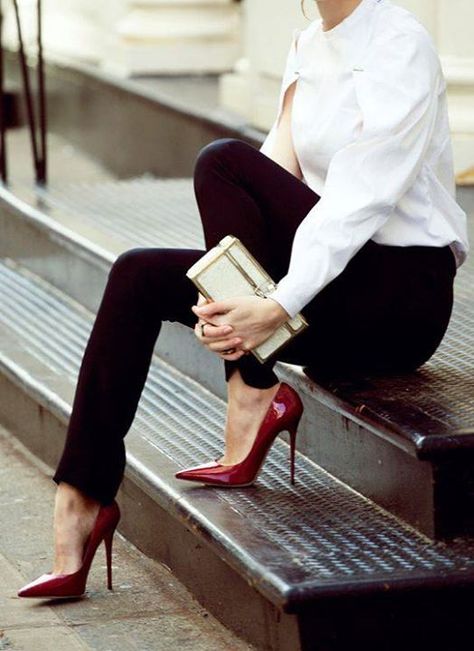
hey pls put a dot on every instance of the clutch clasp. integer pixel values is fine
(264, 289)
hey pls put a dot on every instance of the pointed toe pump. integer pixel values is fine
(74, 585)
(284, 413)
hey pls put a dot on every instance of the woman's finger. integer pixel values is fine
(229, 356)
(213, 308)
(221, 335)
(232, 356)
(224, 344)
(212, 332)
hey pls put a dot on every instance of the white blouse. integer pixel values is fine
(371, 134)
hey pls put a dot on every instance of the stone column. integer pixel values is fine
(455, 42)
(71, 29)
(131, 37)
(450, 24)
(174, 36)
(252, 87)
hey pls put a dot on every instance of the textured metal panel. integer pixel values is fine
(320, 534)
(145, 211)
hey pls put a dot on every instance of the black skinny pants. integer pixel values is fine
(387, 311)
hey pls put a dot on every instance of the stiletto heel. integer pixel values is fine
(292, 433)
(108, 554)
(284, 413)
(74, 585)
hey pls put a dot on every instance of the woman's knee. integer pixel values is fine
(143, 269)
(142, 266)
(128, 275)
(217, 150)
(129, 262)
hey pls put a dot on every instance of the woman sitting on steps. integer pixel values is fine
(349, 203)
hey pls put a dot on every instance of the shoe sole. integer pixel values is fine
(34, 596)
(217, 485)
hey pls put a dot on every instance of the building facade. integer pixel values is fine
(244, 42)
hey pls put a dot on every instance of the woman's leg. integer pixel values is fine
(145, 286)
(240, 191)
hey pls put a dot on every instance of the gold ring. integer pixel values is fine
(202, 329)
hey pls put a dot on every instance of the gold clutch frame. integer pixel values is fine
(254, 280)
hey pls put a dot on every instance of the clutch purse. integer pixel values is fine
(229, 269)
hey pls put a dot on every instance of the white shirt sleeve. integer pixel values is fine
(397, 89)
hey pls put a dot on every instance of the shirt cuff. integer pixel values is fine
(287, 298)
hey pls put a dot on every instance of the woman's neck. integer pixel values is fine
(334, 11)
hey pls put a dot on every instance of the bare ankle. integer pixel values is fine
(70, 498)
(236, 385)
(246, 394)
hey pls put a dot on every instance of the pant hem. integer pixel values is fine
(103, 498)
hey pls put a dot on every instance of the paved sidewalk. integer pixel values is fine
(148, 610)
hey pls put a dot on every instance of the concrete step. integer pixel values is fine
(413, 431)
(148, 610)
(281, 565)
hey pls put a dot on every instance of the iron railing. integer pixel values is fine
(36, 117)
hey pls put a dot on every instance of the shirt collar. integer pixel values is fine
(349, 20)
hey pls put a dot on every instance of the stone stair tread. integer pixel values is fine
(292, 543)
(139, 211)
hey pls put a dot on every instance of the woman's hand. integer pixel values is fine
(251, 319)
(216, 338)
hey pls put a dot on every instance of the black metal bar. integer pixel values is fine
(26, 85)
(42, 171)
(3, 161)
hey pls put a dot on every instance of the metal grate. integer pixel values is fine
(162, 212)
(318, 531)
(145, 211)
